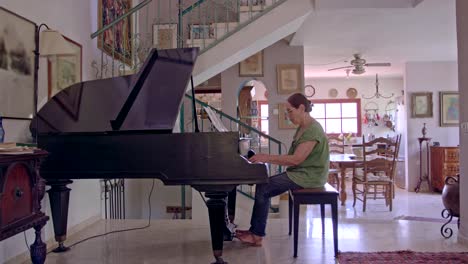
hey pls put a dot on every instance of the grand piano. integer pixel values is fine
(121, 127)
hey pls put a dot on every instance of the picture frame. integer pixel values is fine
(201, 31)
(251, 5)
(165, 36)
(65, 70)
(283, 120)
(252, 66)
(121, 48)
(252, 2)
(289, 78)
(17, 65)
(449, 112)
(421, 105)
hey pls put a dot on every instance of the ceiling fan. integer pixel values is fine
(359, 63)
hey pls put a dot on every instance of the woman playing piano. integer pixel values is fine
(307, 161)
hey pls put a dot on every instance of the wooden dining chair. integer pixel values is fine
(336, 146)
(376, 177)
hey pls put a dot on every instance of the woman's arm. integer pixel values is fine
(301, 153)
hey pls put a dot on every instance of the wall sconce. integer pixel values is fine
(377, 94)
(51, 44)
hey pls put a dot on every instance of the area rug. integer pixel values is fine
(402, 257)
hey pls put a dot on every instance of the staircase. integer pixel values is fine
(226, 31)
(276, 20)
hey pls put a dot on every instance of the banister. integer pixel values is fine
(235, 120)
(192, 6)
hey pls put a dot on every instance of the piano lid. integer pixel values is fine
(147, 100)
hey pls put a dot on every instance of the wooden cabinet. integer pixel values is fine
(21, 192)
(444, 162)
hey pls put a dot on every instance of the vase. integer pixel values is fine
(424, 130)
(451, 195)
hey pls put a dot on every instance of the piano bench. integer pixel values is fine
(323, 196)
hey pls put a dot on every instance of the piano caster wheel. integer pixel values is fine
(219, 260)
(61, 248)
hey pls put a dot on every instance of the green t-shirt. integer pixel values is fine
(313, 171)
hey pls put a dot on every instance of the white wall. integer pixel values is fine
(76, 20)
(365, 87)
(462, 35)
(428, 77)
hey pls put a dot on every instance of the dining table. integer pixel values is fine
(343, 162)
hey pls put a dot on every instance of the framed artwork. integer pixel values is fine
(289, 78)
(421, 105)
(165, 36)
(17, 46)
(254, 5)
(251, 2)
(283, 121)
(201, 31)
(65, 70)
(116, 41)
(449, 109)
(252, 66)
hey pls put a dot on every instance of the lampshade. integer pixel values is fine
(53, 43)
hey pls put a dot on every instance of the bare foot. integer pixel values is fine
(249, 238)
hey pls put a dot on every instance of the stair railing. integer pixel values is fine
(209, 22)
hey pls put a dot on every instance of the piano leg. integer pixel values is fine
(59, 196)
(219, 223)
(232, 205)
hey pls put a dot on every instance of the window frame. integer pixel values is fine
(341, 101)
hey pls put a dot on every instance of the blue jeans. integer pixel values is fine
(277, 185)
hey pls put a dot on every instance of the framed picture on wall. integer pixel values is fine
(65, 70)
(116, 41)
(449, 109)
(17, 45)
(201, 31)
(283, 120)
(421, 105)
(289, 78)
(165, 36)
(252, 66)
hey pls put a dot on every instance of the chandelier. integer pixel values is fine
(377, 94)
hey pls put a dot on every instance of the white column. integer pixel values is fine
(462, 36)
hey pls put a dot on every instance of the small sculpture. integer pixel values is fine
(424, 130)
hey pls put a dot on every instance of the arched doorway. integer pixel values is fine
(252, 106)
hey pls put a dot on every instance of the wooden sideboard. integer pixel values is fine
(21, 192)
(444, 162)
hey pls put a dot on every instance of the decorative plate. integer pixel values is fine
(333, 93)
(351, 93)
(309, 91)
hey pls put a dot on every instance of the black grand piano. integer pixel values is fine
(122, 128)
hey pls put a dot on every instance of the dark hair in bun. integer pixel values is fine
(298, 99)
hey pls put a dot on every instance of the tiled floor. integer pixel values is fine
(180, 241)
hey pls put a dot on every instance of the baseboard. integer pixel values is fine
(51, 243)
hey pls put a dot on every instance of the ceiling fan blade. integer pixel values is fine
(381, 64)
(345, 67)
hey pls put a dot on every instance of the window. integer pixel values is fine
(338, 116)
(263, 113)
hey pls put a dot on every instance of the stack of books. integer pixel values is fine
(13, 148)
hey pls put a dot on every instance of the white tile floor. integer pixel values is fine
(180, 241)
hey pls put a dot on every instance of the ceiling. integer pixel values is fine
(426, 32)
